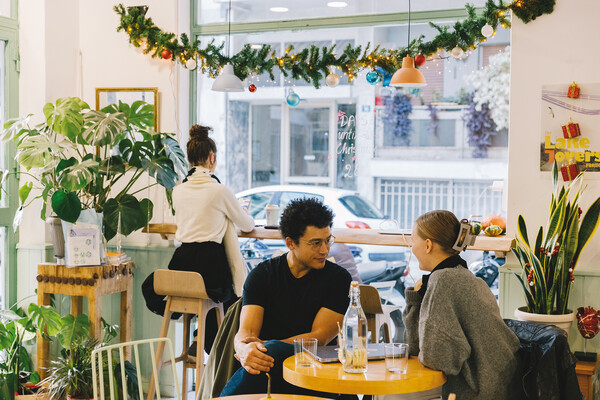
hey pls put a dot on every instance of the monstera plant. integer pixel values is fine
(79, 158)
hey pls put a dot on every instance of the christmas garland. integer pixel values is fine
(314, 64)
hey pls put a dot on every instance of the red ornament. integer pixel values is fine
(571, 130)
(588, 322)
(419, 60)
(569, 171)
(166, 54)
(573, 91)
(252, 88)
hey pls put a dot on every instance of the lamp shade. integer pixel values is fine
(408, 75)
(227, 81)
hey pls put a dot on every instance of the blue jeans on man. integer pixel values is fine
(242, 382)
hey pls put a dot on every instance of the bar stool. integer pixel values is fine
(186, 294)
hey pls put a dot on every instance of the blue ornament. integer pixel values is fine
(373, 77)
(386, 77)
(292, 99)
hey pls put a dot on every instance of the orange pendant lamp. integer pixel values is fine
(408, 75)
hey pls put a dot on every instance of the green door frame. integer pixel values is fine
(9, 29)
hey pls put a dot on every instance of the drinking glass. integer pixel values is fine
(396, 357)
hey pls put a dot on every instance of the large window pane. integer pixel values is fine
(266, 145)
(3, 251)
(215, 11)
(309, 142)
(5, 8)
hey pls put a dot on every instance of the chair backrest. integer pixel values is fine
(385, 288)
(106, 359)
(169, 282)
(371, 305)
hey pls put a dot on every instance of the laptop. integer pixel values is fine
(329, 354)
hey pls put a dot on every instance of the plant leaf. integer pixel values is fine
(46, 318)
(66, 205)
(15, 128)
(132, 216)
(74, 329)
(77, 175)
(65, 117)
(161, 168)
(175, 154)
(39, 151)
(522, 230)
(588, 228)
(147, 211)
(24, 191)
(103, 128)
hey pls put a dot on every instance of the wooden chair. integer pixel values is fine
(378, 315)
(186, 294)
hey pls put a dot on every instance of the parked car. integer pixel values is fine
(350, 208)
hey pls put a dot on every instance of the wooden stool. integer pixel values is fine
(186, 294)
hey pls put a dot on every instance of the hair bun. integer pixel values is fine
(199, 132)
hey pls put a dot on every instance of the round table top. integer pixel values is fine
(274, 396)
(332, 378)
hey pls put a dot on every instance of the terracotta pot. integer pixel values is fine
(563, 321)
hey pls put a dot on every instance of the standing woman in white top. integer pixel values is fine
(203, 209)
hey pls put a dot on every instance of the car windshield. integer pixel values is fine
(361, 207)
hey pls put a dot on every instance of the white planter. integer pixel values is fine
(563, 321)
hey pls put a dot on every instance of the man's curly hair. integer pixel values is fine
(301, 213)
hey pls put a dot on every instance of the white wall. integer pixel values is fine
(70, 48)
(545, 51)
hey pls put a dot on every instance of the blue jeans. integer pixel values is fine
(243, 382)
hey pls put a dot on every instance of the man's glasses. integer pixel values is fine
(316, 244)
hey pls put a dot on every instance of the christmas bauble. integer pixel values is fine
(191, 64)
(456, 52)
(419, 60)
(252, 88)
(292, 99)
(332, 80)
(487, 30)
(166, 54)
(373, 77)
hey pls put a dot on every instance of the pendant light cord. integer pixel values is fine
(229, 30)
(408, 45)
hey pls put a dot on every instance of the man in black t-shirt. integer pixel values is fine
(298, 294)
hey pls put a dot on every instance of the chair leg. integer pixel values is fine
(184, 354)
(200, 344)
(164, 329)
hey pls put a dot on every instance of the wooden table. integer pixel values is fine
(585, 371)
(275, 396)
(93, 283)
(331, 378)
(499, 244)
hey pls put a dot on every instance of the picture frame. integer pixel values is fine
(112, 95)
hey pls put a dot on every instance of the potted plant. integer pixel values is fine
(79, 158)
(547, 265)
(17, 374)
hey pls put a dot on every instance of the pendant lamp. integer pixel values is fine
(408, 75)
(228, 81)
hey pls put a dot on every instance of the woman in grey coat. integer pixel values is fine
(452, 320)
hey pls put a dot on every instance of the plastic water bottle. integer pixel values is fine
(355, 334)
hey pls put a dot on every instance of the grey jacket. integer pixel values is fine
(456, 328)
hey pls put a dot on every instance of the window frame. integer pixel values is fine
(9, 29)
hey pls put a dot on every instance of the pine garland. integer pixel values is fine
(313, 64)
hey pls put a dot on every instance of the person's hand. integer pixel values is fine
(251, 354)
(418, 284)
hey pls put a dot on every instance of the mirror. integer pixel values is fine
(107, 96)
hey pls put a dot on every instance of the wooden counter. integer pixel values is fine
(500, 244)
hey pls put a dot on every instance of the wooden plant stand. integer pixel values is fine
(93, 283)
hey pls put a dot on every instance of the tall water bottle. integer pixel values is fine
(354, 341)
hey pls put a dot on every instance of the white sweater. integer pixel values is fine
(204, 207)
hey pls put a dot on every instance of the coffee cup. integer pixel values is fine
(272, 212)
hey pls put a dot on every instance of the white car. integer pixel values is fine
(350, 208)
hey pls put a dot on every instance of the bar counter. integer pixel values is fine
(499, 244)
